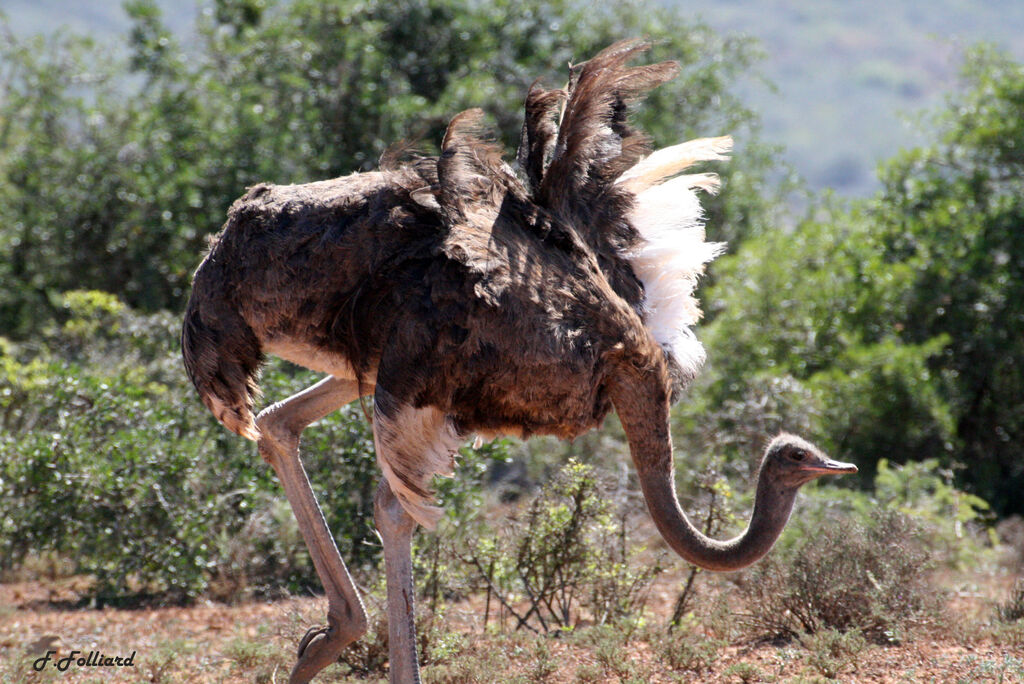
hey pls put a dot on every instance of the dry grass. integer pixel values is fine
(970, 637)
(255, 642)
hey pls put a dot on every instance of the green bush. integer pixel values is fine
(904, 313)
(115, 163)
(108, 459)
(131, 484)
(568, 557)
(953, 521)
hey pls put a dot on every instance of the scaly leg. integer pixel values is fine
(412, 444)
(280, 426)
(396, 527)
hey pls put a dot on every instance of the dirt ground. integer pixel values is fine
(255, 642)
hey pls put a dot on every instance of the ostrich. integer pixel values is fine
(467, 300)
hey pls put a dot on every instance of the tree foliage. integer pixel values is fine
(107, 460)
(113, 169)
(903, 315)
(112, 172)
(953, 213)
(891, 328)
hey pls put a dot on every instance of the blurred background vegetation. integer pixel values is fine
(888, 328)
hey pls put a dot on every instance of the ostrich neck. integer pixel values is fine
(768, 519)
(642, 405)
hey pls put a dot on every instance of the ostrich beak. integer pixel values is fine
(823, 465)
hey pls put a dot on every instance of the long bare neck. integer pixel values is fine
(642, 403)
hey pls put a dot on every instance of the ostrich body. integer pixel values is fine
(468, 301)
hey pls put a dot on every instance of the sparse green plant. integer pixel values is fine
(746, 673)
(639, 678)
(609, 644)
(718, 617)
(832, 651)
(441, 570)
(1007, 669)
(965, 630)
(717, 513)
(368, 655)
(589, 673)
(158, 664)
(1011, 634)
(612, 657)
(689, 652)
(567, 557)
(488, 663)
(249, 653)
(951, 517)
(542, 666)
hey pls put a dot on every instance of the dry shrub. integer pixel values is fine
(1012, 610)
(869, 576)
(1011, 535)
(367, 657)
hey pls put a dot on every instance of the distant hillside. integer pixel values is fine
(848, 74)
(100, 18)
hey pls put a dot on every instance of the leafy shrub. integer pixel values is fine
(950, 517)
(113, 465)
(874, 308)
(108, 458)
(569, 556)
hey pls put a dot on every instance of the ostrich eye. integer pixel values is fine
(799, 455)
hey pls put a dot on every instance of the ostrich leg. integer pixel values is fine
(413, 444)
(396, 527)
(280, 426)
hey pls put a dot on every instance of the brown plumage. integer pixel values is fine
(328, 266)
(540, 129)
(468, 300)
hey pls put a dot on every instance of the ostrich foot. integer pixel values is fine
(320, 647)
(280, 426)
(311, 633)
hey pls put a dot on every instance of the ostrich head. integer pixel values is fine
(791, 462)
